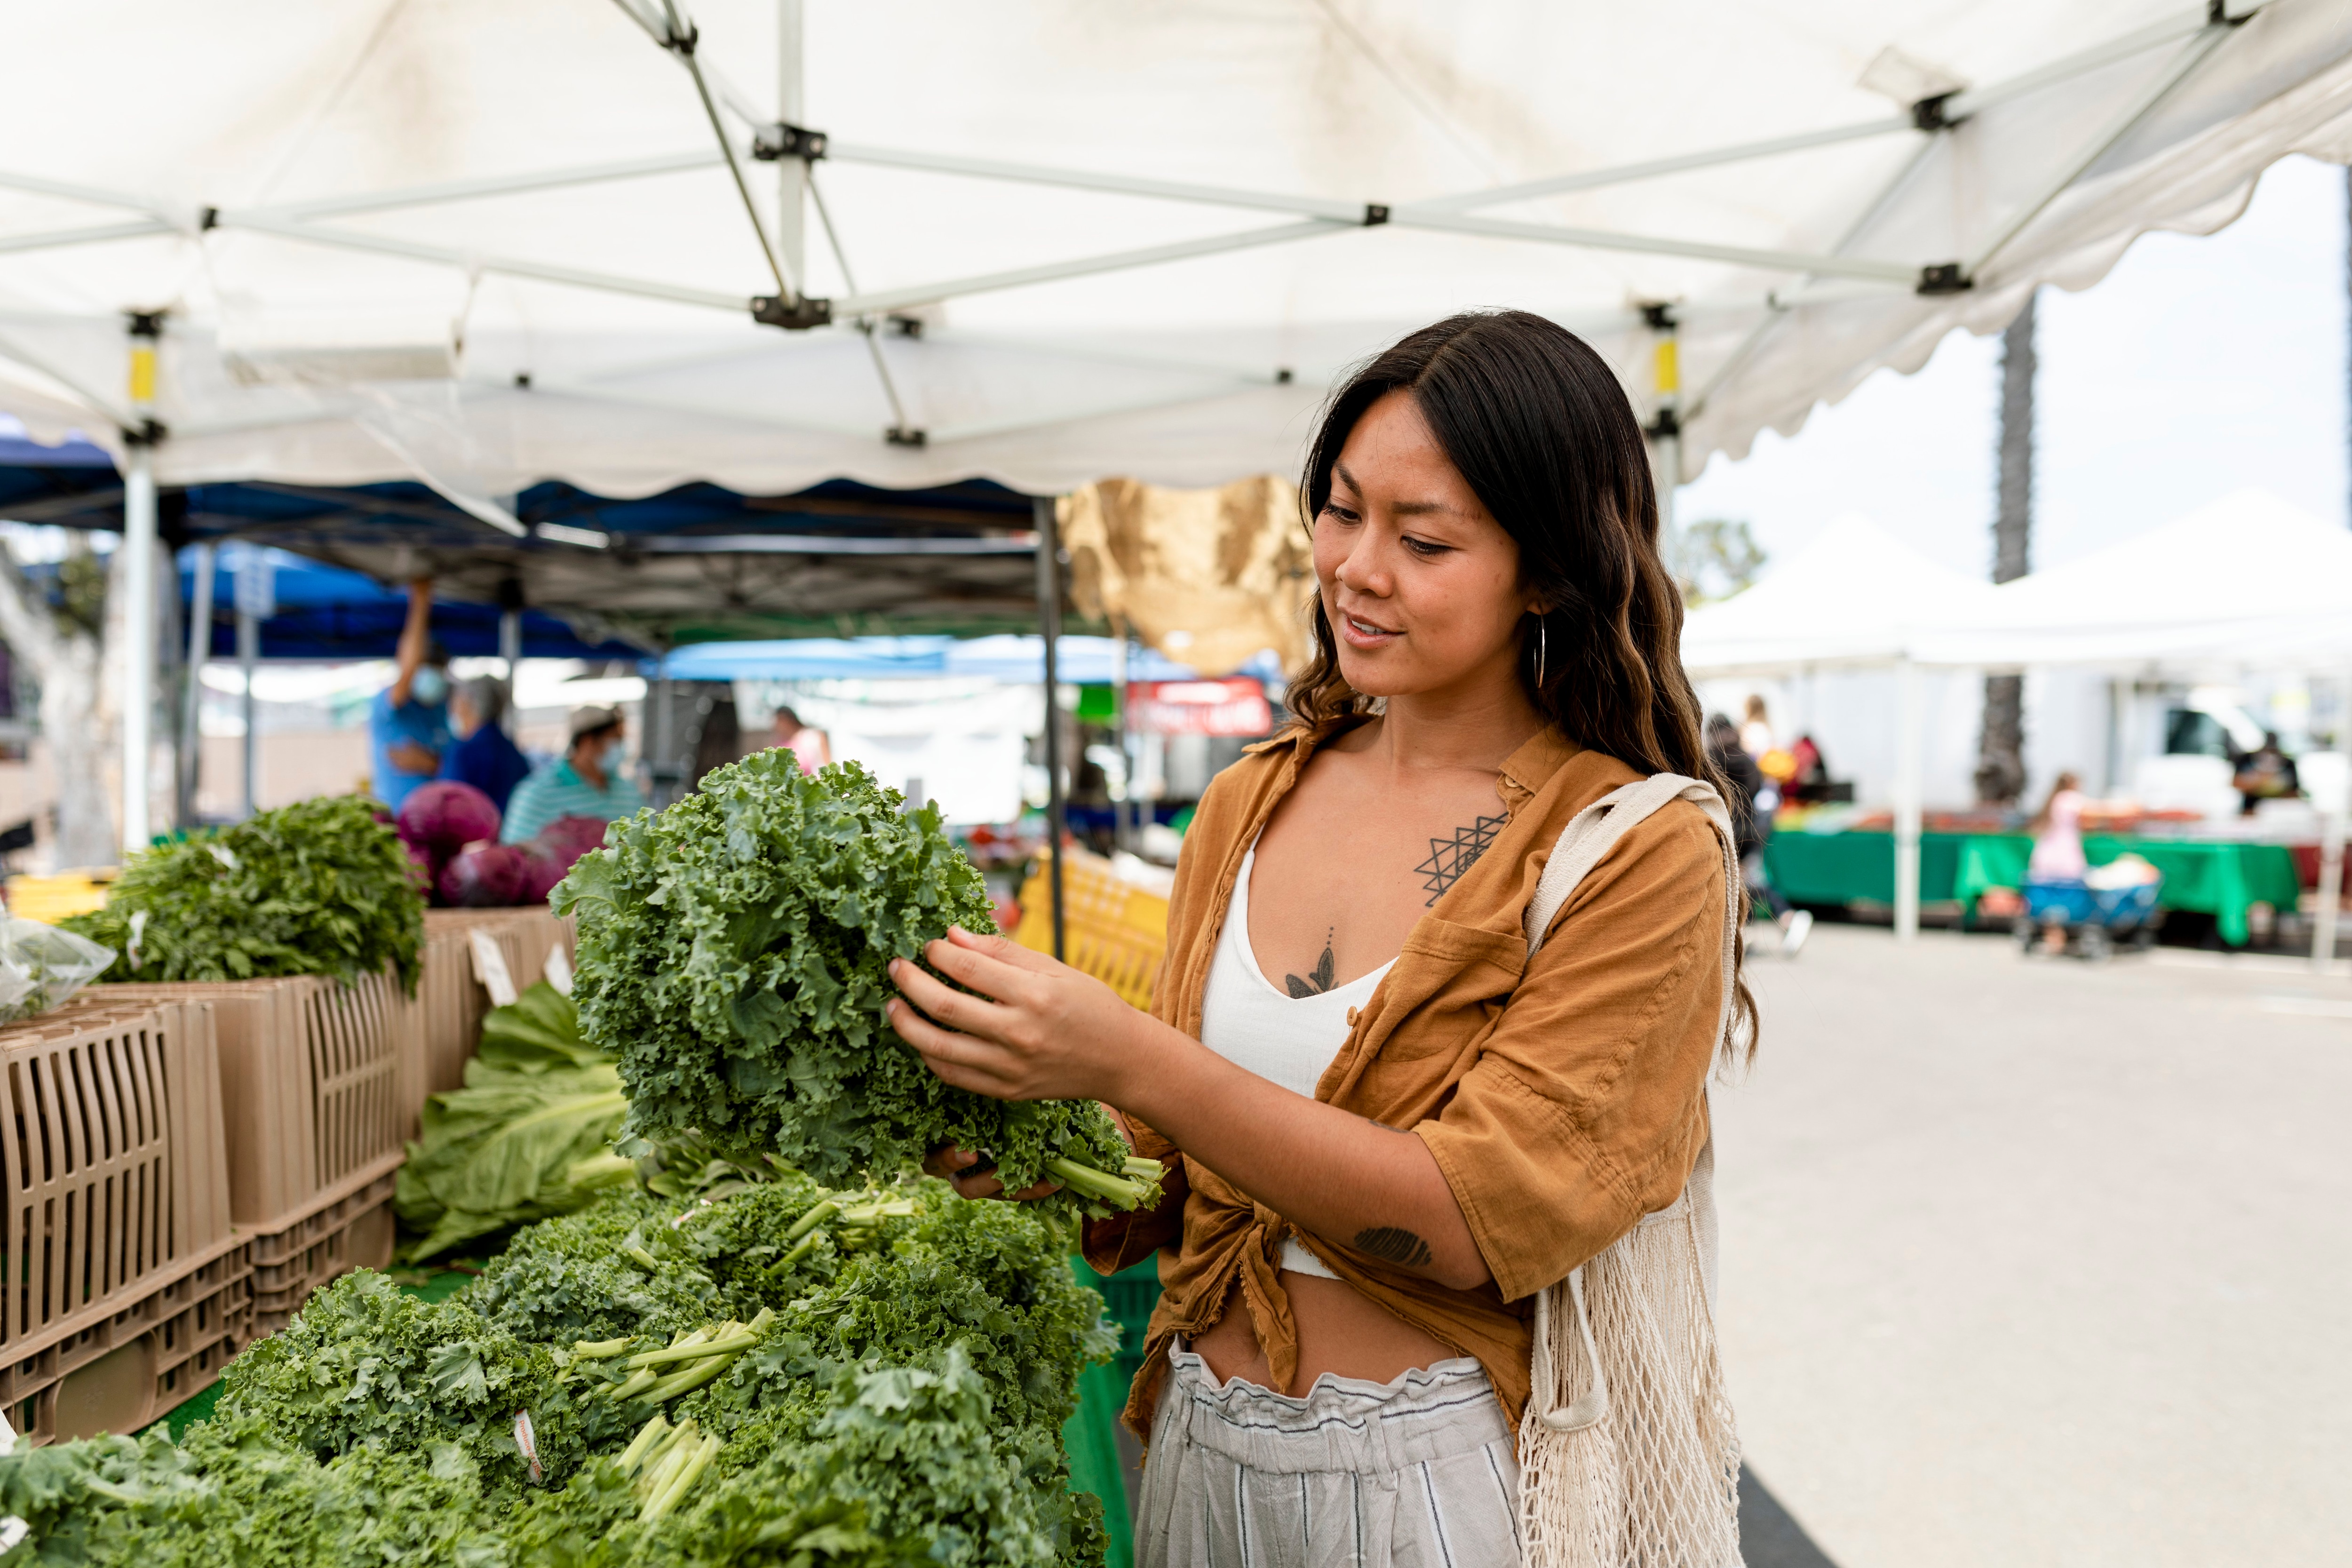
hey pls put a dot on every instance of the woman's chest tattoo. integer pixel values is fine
(1450, 857)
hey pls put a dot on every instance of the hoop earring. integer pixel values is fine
(1539, 652)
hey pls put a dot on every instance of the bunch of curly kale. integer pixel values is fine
(874, 1377)
(734, 955)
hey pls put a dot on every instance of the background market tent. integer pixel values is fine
(1010, 660)
(326, 614)
(348, 257)
(1855, 598)
(2248, 581)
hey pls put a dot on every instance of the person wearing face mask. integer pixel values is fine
(483, 756)
(408, 723)
(586, 781)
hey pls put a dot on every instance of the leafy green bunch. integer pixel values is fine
(320, 886)
(734, 953)
(528, 1137)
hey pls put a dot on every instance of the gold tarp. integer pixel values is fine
(1206, 577)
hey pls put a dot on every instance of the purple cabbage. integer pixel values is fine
(487, 876)
(444, 816)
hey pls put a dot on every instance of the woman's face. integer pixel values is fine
(1419, 584)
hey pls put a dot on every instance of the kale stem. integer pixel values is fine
(814, 1218)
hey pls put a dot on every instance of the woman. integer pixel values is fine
(2057, 830)
(1384, 1138)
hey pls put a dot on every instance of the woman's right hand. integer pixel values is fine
(974, 1176)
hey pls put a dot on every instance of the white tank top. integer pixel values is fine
(1286, 1039)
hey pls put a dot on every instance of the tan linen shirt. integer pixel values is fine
(1562, 1100)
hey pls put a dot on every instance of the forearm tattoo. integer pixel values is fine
(1450, 857)
(1393, 1244)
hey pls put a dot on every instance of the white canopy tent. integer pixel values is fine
(1854, 598)
(907, 241)
(2248, 581)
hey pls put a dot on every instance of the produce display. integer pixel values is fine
(527, 1137)
(322, 887)
(452, 832)
(734, 956)
(785, 1376)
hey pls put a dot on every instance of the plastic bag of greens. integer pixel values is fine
(41, 967)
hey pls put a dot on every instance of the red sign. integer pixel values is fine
(1234, 706)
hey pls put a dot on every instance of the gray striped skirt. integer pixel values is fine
(1419, 1472)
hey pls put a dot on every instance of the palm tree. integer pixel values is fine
(2000, 747)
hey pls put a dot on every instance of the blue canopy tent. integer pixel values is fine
(326, 613)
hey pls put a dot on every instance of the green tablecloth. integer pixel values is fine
(1091, 1435)
(1850, 868)
(2222, 880)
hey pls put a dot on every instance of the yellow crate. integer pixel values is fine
(51, 899)
(1111, 929)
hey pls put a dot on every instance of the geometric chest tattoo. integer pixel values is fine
(1450, 857)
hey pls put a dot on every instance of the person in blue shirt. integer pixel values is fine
(408, 723)
(483, 757)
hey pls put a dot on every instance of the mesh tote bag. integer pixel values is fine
(1628, 1458)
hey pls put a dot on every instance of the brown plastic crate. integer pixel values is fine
(311, 1082)
(120, 1373)
(112, 1172)
(444, 1018)
(290, 1265)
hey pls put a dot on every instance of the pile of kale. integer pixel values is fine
(880, 1377)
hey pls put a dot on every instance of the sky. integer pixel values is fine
(2200, 366)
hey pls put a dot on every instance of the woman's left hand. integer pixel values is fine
(1038, 1030)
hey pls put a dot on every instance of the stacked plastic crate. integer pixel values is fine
(126, 1287)
(312, 1079)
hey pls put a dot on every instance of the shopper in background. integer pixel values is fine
(408, 723)
(2057, 830)
(1756, 734)
(812, 748)
(1753, 800)
(2265, 773)
(586, 781)
(485, 756)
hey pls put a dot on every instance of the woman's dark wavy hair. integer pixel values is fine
(1538, 426)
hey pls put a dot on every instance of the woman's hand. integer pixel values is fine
(1038, 1029)
(974, 1177)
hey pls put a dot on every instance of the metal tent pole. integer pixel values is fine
(1911, 740)
(1049, 628)
(248, 655)
(2334, 815)
(791, 174)
(200, 648)
(139, 584)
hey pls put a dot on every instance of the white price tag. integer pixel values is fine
(490, 969)
(559, 970)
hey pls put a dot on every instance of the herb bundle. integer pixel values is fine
(320, 886)
(734, 955)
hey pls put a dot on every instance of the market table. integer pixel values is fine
(2219, 878)
(1856, 865)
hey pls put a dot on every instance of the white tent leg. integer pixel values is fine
(138, 640)
(791, 174)
(2333, 820)
(1909, 770)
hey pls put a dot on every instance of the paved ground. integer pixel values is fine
(2033, 1262)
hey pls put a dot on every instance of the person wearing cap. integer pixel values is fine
(408, 723)
(586, 781)
(484, 756)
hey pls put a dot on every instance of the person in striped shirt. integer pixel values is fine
(586, 781)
